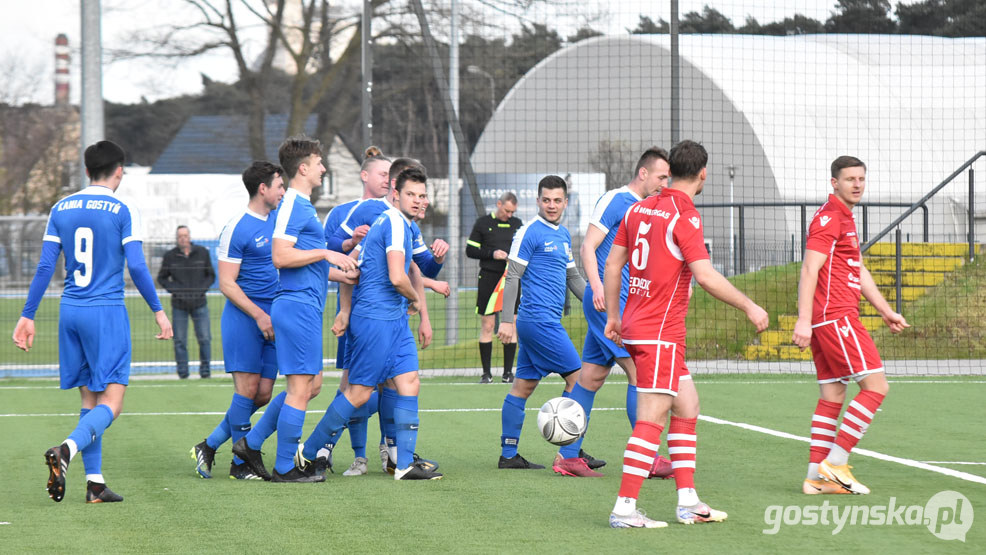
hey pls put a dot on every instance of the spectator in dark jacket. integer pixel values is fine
(186, 272)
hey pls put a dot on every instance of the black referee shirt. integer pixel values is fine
(490, 234)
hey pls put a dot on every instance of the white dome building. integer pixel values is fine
(779, 109)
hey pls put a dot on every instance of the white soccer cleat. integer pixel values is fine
(299, 459)
(358, 468)
(700, 513)
(636, 519)
(842, 476)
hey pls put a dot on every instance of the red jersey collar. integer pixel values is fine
(681, 195)
(834, 200)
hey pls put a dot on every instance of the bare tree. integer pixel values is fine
(613, 158)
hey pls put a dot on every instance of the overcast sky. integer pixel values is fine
(29, 27)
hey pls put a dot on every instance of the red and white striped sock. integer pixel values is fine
(855, 421)
(639, 456)
(824, 426)
(681, 447)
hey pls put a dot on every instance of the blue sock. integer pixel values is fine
(380, 422)
(238, 418)
(91, 426)
(585, 398)
(388, 402)
(632, 405)
(220, 434)
(357, 430)
(566, 394)
(512, 421)
(289, 426)
(339, 412)
(334, 438)
(92, 456)
(256, 437)
(406, 417)
(373, 405)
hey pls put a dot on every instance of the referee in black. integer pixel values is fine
(489, 243)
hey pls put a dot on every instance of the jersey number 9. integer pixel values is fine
(83, 256)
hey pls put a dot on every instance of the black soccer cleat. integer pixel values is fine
(57, 459)
(203, 455)
(486, 378)
(297, 475)
(590, 461)
(417, 471)
(507, 378)
(242, 471)
(100, 493)
(252, 458)
(427, 464)
(517, 462)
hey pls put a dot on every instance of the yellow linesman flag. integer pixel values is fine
(496, 299)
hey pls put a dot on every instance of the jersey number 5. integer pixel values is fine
(641, 249)
(83, 255)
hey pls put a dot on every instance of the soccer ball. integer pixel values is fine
(561, 421)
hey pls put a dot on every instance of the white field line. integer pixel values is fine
(488, 386)
(864, 452)
(955, 462)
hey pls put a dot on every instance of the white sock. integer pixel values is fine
(72, 448)
(624, 506)
(838, 456)
(813, 471)
(687, 497)
(97, 478)
(392, 452)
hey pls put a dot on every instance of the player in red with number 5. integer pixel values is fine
(662, 238)
(832, 279)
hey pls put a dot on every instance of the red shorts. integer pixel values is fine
(843, 350)
(660, 365)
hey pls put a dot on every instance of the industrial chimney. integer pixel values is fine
(61, 70)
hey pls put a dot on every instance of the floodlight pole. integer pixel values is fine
(455, 215)
(366, 68)
(91, 107)
(732, 245)
(675, 77)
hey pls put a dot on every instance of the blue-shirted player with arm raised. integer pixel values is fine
(248, 279)
(598, 352)
(381, 345)
(299, 253)
(97, 232)
(541, 261)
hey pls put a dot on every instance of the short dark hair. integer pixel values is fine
(413, 173)
(294, 150)
(259, 172)
(401, 164)
(103, 158)
(181, 227)
(843, 162)
(552, 182)
(508, 196)
(687, 159)
(648, 157)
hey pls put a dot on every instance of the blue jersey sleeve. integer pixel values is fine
(46, 268)
(523, 245)
(141, 275)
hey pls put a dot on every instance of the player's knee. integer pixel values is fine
(262, 398)
(316, 389)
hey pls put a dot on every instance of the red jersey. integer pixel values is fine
(663, 234)
(833, 233)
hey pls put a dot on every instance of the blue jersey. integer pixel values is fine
(335, 218)
(375, 297)
(545, 249)
(246, 241)
(365, 212)
(92, 227)
(606, 216)
(297, 222)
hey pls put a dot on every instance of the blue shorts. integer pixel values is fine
(379, 350)
(244, 346)
(598, 349)
(297, 336)
(544, 347)
(93, 346)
